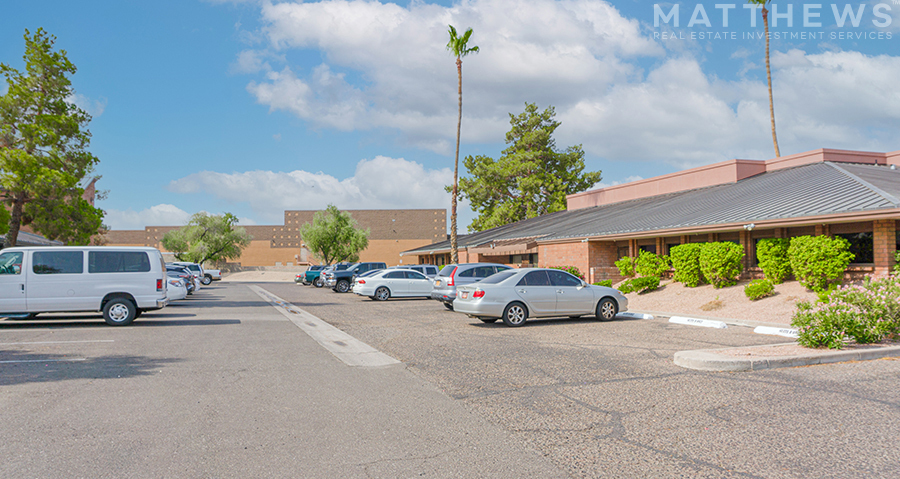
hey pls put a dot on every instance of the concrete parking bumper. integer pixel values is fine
(715, 360)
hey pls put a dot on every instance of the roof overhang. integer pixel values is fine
(851, 217)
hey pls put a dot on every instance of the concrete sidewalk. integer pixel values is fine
(768, 356)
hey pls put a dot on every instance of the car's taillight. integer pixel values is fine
(361, 281)
(478, 294)
(450, 281)
(159, 285)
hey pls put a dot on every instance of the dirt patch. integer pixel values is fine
(728, 303)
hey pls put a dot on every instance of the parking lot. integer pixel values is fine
(223, 385)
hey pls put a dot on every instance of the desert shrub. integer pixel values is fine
(626, 287)
(772, 254)
(604, 282)
(866, 312)
(819, 262)
(651, 264)
(645, 283)
(686, 261)
(571, 270)
(626, 265)
(758, 289)
(721, 263)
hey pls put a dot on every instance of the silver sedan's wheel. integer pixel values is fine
(119, 312)
(607, 309)
(382, 294)
(515, 314)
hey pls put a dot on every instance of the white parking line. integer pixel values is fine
(61, 342)
(348, 349)
(43, 360)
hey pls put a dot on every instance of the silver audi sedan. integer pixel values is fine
(518, 294)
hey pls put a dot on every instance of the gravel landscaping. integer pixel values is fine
(725, 303)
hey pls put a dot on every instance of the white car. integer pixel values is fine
(394, 283)
(176, 289)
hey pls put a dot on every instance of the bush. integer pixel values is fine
(641, 285)
(772, 254)
(626, 266)
(686, 261)
(819, 262)
(867, 313)
(651, 264)
(897, 262)
(604, 282)
(759, 289)
(571, 270)
(721, 263)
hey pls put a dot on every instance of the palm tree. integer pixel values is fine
(458, 46)
(765, 17)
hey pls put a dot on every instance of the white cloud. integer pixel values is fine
(94, 107)
(379, 183)
(628, 179)
(159, 215)
(561, 49)
(385, 66)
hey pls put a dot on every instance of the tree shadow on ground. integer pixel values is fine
(21, 367)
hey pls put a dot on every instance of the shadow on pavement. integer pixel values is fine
(53, 367)
(536, 322)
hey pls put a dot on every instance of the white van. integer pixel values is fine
(122, 282)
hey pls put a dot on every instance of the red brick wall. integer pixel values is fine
(565, 254)
(885, 245)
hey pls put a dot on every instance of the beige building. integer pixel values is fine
(391, 232)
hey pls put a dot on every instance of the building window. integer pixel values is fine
(650, 248)
(622, 251)
(669, 247)
(861, 245)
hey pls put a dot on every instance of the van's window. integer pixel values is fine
(58, 262)
(118, 262)
(11, 262)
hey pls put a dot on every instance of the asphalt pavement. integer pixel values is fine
(224, 385)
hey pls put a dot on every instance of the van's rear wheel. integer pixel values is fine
(119, 312)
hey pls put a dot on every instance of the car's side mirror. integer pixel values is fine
(583, 284)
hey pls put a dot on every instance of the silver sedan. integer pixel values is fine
(516, 295)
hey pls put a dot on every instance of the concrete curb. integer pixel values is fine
(734, 322)
(710, 360)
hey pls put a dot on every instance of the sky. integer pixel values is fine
(255, 107)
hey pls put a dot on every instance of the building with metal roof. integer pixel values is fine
(848, 193)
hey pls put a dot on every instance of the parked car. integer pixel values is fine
(310, 275)
(341, 280)
(454, 275)
(393, 283)
(519, 294)
(210, 275)
(196, 270)
(319, 281)
(122, 282)
(427, 269)
(188, 275)
(185, 276)
(176, 289)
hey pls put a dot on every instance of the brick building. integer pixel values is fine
(852, 194)
(391, 232)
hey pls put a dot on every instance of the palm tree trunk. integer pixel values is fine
(765, 15)
(454, 252)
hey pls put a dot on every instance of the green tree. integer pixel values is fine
(333, 236)
(207, 238)
(530, 179)
(43, 148)
(459, 47)
(765, 17)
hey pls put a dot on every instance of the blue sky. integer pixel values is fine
(254, 107)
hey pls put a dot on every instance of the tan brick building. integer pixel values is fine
(391, 232)
(852, 194)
